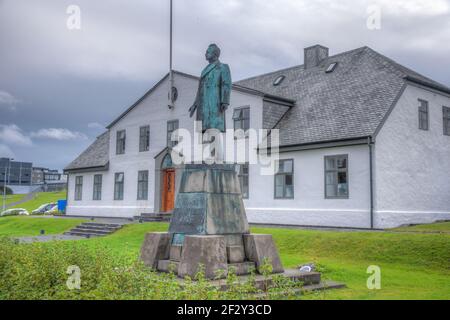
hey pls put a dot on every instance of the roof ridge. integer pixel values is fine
(406, 71)
(301, 65)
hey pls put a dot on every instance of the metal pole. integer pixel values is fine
(171, 81)
(4, 189)
(7, 174)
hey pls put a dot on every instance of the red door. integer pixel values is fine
(168, 192)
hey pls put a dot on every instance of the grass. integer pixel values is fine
(413, 265)
(31, 226)
(442, 227)
(12, 198)
(42, 198)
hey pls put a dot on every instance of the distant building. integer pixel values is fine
(49, 180)
(22, 177)
(16, 175)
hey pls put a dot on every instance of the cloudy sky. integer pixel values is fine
(60, 86)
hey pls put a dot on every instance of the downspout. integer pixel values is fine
(370, 144)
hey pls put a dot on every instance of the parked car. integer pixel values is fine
(43, 209)
(53, 209)
(15, 212)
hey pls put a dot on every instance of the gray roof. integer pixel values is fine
(95, 157)
(351, 102)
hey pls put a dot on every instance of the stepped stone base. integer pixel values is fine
(209, 229)
(211, 253)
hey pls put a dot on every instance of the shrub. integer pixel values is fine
(39, 271)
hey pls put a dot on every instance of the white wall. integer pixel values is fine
(412, 166)
(151, 111)
(309, 206)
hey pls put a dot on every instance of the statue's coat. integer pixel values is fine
(213, 91)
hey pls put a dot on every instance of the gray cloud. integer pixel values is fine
(58, 134)
(12, 135)
(70, 78)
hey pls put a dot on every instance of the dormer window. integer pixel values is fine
(279, 80)
(331, 67)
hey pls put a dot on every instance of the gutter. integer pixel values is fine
(370, 144)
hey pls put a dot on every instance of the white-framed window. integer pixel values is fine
(120, 142)
(284, 180)
(78, 188)
(243, 175)
(241, 118)
(446, 119)
(97, 189)
(336, 177)
(118, 185)
(172, 126)
(423, 115)
(144, 138)
(142, 193)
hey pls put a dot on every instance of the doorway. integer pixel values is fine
(168, 191)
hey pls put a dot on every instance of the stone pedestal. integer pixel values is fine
(208, 251)
(261, 247)
(209, 227)
(156, 247)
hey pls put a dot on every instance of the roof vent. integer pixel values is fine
(331, 67)
(279, 80)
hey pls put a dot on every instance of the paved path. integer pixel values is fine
(28, 197)
(59, 237)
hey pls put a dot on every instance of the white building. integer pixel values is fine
(365, 142)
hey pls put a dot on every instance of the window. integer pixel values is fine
(118, 186)
(279, 80)
(120, 142)
(331, 67)
(144, 138)
(243, 175)
(336, 177)
(446, 114)
(171, 127)
(78, 188)
(423, 115)
(142, 185)
(284, 180)
(97, 190)
(241, 118)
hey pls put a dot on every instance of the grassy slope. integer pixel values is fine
(42, 198)
(31, 226)
(443, 227)
(413, 266)
(12, 198)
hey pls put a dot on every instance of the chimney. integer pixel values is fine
(315, 55)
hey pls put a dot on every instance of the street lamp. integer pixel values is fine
(7, 174)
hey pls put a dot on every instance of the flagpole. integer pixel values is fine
(171, 79)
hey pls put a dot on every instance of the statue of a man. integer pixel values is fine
(213, 95)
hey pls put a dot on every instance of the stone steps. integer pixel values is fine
(154, 217)
(93, 229)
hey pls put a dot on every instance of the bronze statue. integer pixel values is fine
(213, 95)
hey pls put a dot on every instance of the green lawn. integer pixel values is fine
(31, 226)
(442, 227)
(12, 198)
(413, 265)
(42, 198)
